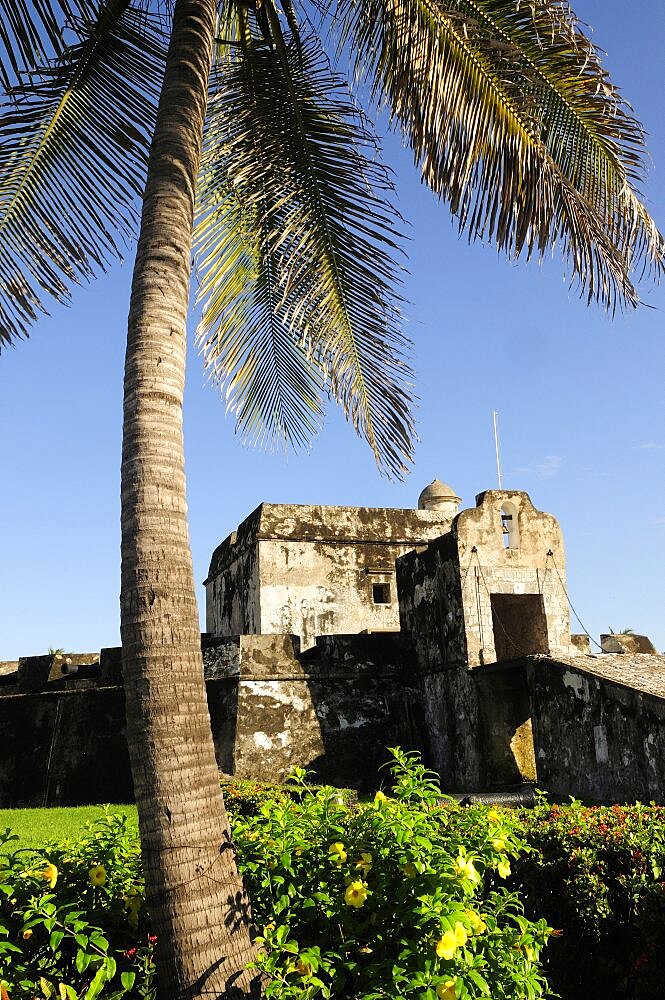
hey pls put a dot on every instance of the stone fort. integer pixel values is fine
(334, 632)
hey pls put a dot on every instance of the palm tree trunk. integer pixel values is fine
(200, 912)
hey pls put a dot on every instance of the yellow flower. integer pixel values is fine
(494, 816)
(269, 927)
(529, 952)
(447, 945)
(304, 968)
(380, 797)
(478, 925)
(133, 903)
(465, 868)
(503, 869)
(356, 894)
(410, 870)
(498, 844)
(98, 875)
(460, 934)
(446, 990)
(27, 934)
(50, 875)
(337, 853)
(365, 862)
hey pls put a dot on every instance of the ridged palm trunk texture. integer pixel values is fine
(200, 912)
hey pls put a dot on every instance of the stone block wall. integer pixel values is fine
(332, 709)
(597, 733)
(313, 571)
(531, 566)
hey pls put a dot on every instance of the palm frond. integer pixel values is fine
(287, 149)
(273, 387)
(73, 146)
(32, 31)
(514, 121)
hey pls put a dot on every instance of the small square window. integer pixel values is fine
(381, 593)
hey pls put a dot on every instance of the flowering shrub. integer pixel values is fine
(599, 875)
(408, 896)
(72, 925)
(400, 897)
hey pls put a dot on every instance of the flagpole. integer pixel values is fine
(495, 417)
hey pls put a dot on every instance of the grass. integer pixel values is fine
(36, 826)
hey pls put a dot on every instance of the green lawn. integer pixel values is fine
(35, 826)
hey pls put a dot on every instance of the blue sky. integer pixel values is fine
(580, 401)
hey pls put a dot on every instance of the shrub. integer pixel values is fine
(400, 897)
(597, 873)
(71, 918)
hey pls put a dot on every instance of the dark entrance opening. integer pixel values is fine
(520, 626)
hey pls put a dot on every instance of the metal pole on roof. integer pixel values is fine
(495, 418)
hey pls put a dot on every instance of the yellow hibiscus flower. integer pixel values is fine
(49, 874)
(304, 968)
(465, 868)
(447, 945)
(365, 862)
(494, 816)
(337, 853)
(498, 844)
(380, 797)
(446, 990)
(356, 894)
(98, 875)
(478, 925)
(460, 933)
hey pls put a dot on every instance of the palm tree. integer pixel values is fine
(512, 120)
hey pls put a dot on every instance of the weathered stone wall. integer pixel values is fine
(64, 747)
(432, 615)
(488, 567)
(597, 733)
(321, 570)
(430, 604)
(333, 710)
(232, 588)
(508, 755)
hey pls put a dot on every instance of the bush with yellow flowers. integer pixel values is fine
(72, 925)
(403, 896)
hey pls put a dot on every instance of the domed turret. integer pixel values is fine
(438, 496)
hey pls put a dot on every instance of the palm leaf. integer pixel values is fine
(288, 150)
(31, 31)
(73, 144)
(273, 387)
(515, 123)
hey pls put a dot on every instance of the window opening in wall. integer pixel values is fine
(510, 526)
(381, 593)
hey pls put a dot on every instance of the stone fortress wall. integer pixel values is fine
(336, 632)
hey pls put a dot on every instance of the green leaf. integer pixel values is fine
(128, 979)
(97, 984)
(55, 939)
(516, 124)
(296, 246)
(75, 135)
(82, 960)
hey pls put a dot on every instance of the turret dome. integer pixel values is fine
(439, 496)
